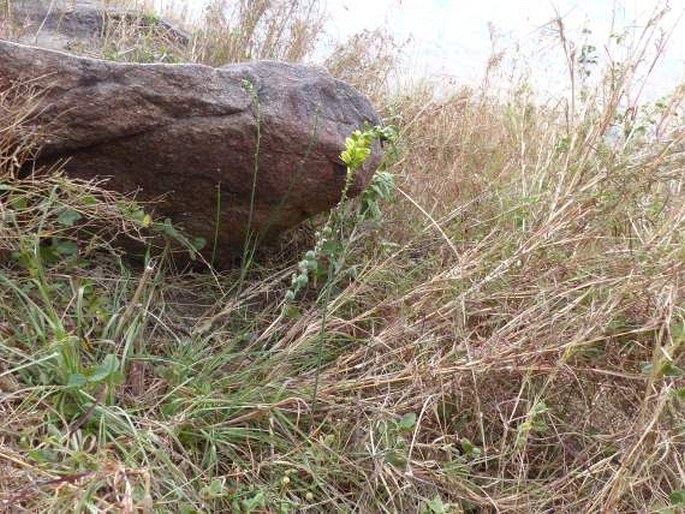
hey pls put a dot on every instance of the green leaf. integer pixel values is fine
(301, 280)
(107, 367)
(18, 202)
(331, 248)
(677, 497)
(68, 218)
(468, 447)
(666, 369)
(76, 380)
(215, 489)
(408, 421)
(198, 243)
(44, 455)
(167, 228)
(396, 459)
(669, 369)
(64, 247)
(258, 500)
(436, 506)
(290, 310)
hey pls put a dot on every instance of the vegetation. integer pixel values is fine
(505, 334)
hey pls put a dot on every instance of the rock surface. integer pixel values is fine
(196, 138)
(85, 27)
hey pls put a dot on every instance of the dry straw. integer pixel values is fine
(510, 341)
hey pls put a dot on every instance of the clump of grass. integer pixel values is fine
(366, 60)
(285, 30)
(510, 341)
(18, 105)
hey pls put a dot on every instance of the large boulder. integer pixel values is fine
(207, 144)
(88, 27)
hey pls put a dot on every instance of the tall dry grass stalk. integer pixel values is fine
(285, 30)
(18, 104)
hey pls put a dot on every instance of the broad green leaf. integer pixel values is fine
(677, 497)
(408, 421)
(68, 218)
(64, 247)
(109, 365)
(76, 380)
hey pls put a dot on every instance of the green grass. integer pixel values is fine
(508, 337)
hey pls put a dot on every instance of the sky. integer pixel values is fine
(453, 39)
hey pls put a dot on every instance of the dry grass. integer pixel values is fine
(511, 340)
(258, 29)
